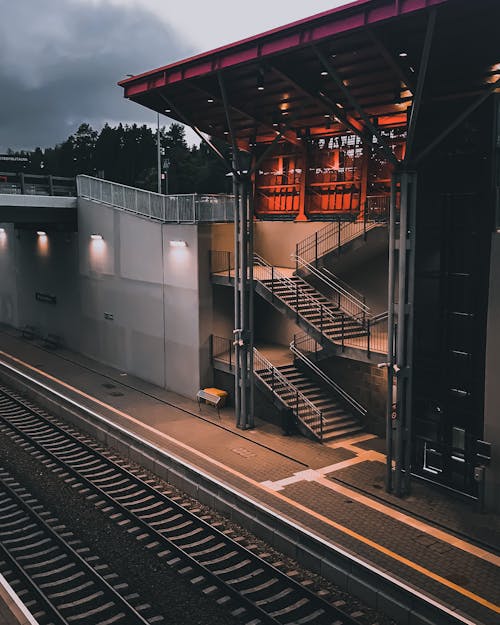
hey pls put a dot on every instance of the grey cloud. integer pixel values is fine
(59, 66)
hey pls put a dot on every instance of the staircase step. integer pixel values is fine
(341, 433)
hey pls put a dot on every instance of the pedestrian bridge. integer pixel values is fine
(38, 209)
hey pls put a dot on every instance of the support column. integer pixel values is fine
(237, 323)
(303, 186)
(365, 161)
(404, 350)
(244, 308)
(390, 408)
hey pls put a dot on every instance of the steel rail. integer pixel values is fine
(322, 611)
(56, 539)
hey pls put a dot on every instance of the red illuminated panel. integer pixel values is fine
(278, 183)
(334, 175)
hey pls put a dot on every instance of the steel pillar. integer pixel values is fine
(237, 324)
(404, 334)
(243, 290)
(391, 408)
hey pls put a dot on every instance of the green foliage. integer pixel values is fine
(128, 154)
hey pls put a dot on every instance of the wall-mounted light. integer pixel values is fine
(178, 244)
(41, 233)
(96, 237)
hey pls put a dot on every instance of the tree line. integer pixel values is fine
(128, 154)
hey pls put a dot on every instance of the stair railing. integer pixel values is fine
(331, 237)
(280, 386)
(354, 305)
(297, 348)
(301, 298)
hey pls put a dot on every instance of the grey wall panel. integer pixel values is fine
(8, 283)
(223, 321)
(133, 339)
(96, 256)
(182, 340)
(271, 326)
(222, 236)
(205, 304)
(492, 388)
(48, 266)
(275, 240)
(181, 301)
(365, 267)
(140, 249)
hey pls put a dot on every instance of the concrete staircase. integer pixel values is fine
(336, 420)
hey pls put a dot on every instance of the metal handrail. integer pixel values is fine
(332, 237)
(261, 363)
(180, 208)
(363, 309)
(380, 317)
(276, 274)
(321, 374)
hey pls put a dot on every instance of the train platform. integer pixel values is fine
(434, 544)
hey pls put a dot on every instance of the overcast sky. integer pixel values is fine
(60, 60)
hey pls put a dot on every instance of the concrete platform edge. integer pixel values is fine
(12, 609)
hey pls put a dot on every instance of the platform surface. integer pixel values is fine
(431, 541)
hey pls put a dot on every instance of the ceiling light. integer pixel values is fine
(41, 233)
(324, 73)
(168, 110)
(260, 79)
(2, 230)
(210, 100)
(178, 244)
(96, 237)
(403, 54)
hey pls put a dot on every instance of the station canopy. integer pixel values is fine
(340, 71)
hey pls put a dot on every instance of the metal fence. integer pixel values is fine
(186, 208)
(34, 184)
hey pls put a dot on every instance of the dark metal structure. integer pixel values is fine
(429, 65)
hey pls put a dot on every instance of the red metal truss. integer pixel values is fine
(307, 31)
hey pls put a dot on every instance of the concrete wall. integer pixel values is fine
(121, 276)
(48, 266)
(366, 383)
(271, 326)
(366, 269)
(130, 299)
(159, 296)
(222, 237)
(492, 389)
(275, 240)
(8, 283)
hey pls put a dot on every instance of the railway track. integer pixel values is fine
(253, 589)
(61, 580)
